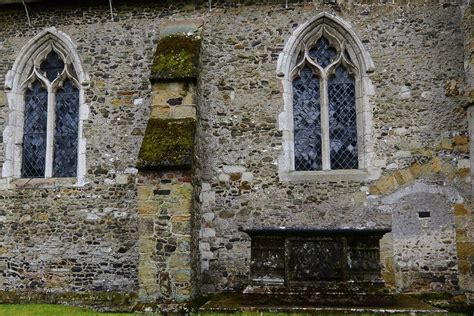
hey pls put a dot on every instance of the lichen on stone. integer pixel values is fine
(176, 57)
(168, 143)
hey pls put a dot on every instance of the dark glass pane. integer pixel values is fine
(66, 131)
(307, 121)
(52, 66)
(322, 53)
(34, 132)
(342, 120)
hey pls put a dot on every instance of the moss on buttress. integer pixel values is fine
(168, 143)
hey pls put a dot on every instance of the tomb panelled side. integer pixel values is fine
(319, 258)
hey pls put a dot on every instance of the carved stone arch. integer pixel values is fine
(15, 84)
(338, 30)
(35, 47)
(311, 28)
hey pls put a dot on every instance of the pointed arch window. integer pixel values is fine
(324, 108)
(45, 91)
(326, 121)
(51, 118)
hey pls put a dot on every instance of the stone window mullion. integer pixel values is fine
(325, 148)
(50, 133)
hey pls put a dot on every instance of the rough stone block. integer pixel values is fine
(179, 260)
(223, 177)
(146, 245)
(436, 164)
(415, 170)
(207, 255)
(460, 210)
(235, 176)
(465, 249)
(403, 176)
(144, 192)
(159, 112)
(3, 99)
(183, 275)
(122, 178)
(208, 217)
(208, 232)
(183, 111)
(233, 169)
(183, 243)
(207, 198)
(463, 164)
(464, 266)
(385, 185)
(148, 207)
(247, 176)
(181, 225)
(446, 144)
(461, 140)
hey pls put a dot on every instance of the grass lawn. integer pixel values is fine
(59, 310)
(51, 310)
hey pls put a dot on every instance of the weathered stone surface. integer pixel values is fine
(176, 57)
(417, 46)
(168, 143)
(164, 235)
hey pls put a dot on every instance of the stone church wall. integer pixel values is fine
(63, 238)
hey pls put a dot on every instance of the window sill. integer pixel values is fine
(325, 176)
(43, 183)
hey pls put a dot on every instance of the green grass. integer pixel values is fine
(51, 310)
(59, 310)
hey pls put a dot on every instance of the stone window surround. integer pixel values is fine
(338, 30)
(15, 84)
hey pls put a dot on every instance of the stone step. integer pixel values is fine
(320, 303)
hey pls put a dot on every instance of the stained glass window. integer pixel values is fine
(342, 120)
(52, 66)
(34, 132)
(338, 102)
(65, 133)
(323, 54)
(307, 121)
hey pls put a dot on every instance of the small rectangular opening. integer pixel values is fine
(424, 214)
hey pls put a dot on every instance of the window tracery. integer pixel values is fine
(326, 68)
(45, 92)
(317, 147)
(50, 88)
(326, 121)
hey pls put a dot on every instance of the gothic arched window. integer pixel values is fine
(51, 119)
(324, 108)
(45, 92)
(326, 121)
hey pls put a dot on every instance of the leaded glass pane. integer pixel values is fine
(342, 120)
(307, 121)
(322, 53)
(66, 131)
(52, 66)
(34, 133)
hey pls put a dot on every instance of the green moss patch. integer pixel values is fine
(168, 143)
(176, 57)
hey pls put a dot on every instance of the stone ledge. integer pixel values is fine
(324, 176)
(168, 143)
(319, 303)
